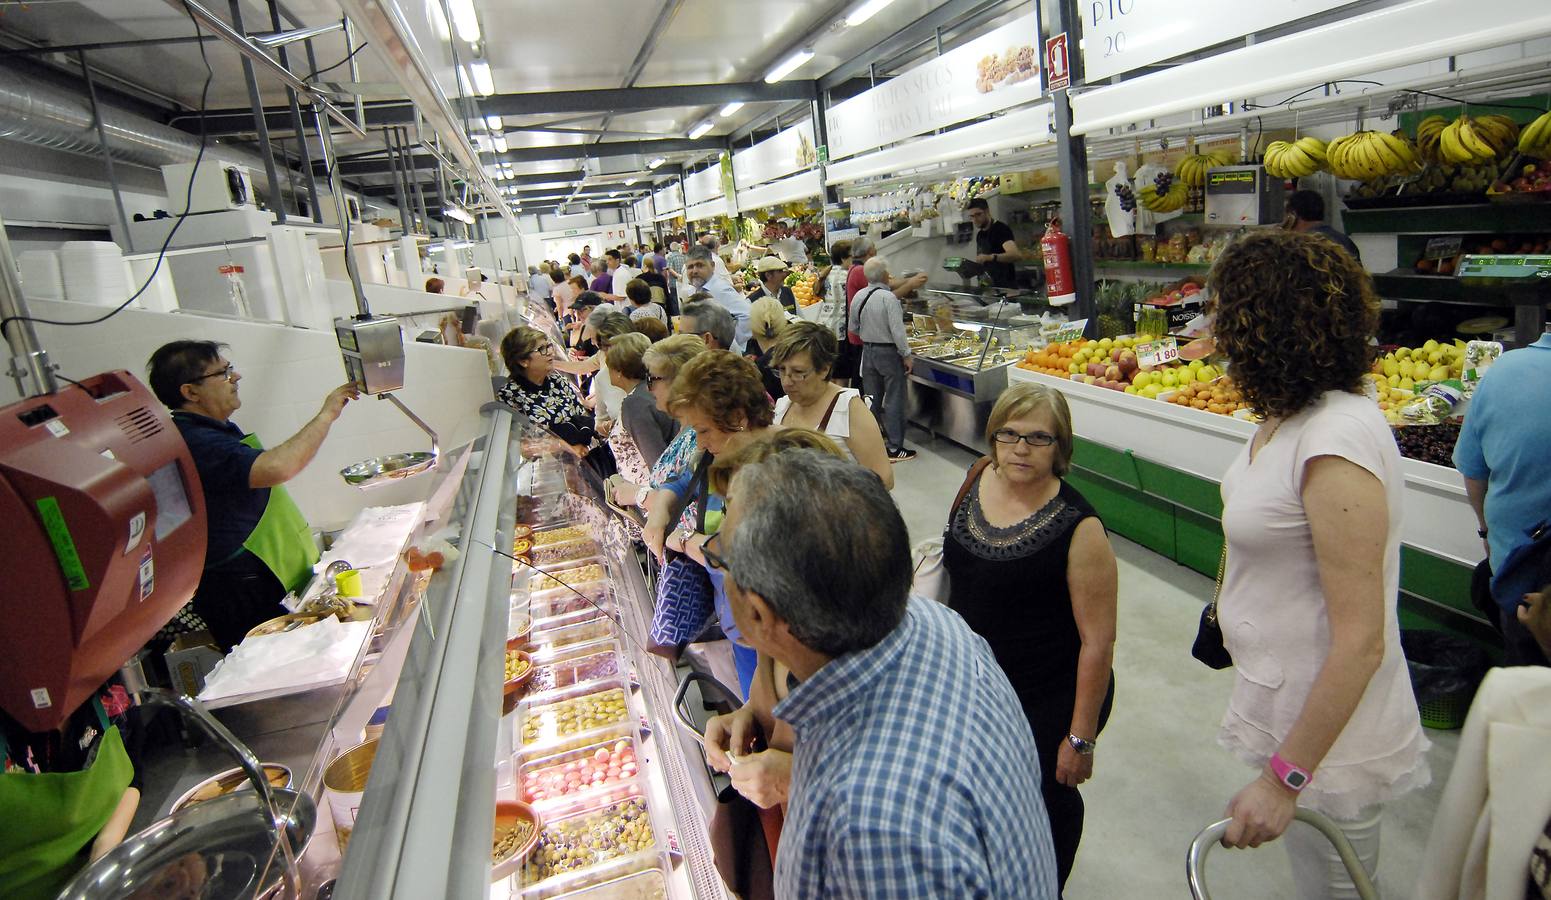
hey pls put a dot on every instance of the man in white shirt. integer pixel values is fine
(624, 272)
(877, 316)
(714, 244)
(539, 283)
(789, 248)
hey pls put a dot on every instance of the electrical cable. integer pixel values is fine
(188, 201)
(1249, 106)
(606, 614)
(1476, 102)
(316, 72)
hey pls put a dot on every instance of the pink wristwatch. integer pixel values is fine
(1293, 777)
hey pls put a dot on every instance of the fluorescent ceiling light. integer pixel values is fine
(656, 162)
(700, 129)
(730, 108)
(484, 81)
(629, 181)
(493, 123)
(467, 23)
(500, 143)
(858, 16)
(789, 65)
(613, 193)
(452, 211)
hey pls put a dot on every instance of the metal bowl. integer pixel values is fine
(380, 469)
(231, 780)
(218, 848)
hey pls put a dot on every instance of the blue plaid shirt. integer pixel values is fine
(914, 774)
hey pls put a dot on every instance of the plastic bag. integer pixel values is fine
(1442, 664)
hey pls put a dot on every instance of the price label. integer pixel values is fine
(1071, 331)
(1157, 353)
(1443, 247)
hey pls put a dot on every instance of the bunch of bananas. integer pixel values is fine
(1467, 141)
(1295, 159)
(1428, 132)
(1535, 139)
(1165, 194)
(1192, 169)
(1371, 155)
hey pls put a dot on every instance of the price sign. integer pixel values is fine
(1071, 331)
(1443, 247)
(1157, 353)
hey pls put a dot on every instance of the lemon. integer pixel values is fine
(1106, 343)
(1131, 389)
(1407, 384)
(1394, 379)
(1439, 373)
(1074, 368)
(1430, 346)
(1435, 357)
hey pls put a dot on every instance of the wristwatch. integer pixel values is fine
(1295, 779)
(1083, 748)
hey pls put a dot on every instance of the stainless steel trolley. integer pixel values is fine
(1195, 862)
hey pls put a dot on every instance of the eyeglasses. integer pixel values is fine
(794, 375)
(712, 558)
(654, 380)
(544, 351)
(229, 373)
(1034, 439)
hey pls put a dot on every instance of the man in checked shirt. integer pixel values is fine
(914, 773)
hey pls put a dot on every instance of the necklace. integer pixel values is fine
(1275, 426)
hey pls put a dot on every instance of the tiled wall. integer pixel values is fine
(286, 374)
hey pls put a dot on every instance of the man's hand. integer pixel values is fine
(1535, 614)
(1261, 812)
(985, 257)
(335, 402)
(765, 778)
(1072, 768)
(735, 732)
(910, 362)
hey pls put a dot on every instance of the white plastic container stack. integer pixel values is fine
(94, 272)
(41, 278)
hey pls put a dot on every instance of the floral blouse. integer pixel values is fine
(680, 456)
(554, 406)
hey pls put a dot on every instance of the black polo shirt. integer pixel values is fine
(993, 239)
(232, 508)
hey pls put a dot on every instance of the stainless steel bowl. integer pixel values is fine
(218, 848)
(381, 469)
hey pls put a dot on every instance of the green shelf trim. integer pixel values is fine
(1113, 464)
(1133, 515)
(1198, 542)
(1197, 494)
(1476, 218)
(1436, 579)
(1419, 615)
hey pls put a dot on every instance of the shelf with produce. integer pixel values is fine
(1142, 267)
(1473, 218)
(1403, 285)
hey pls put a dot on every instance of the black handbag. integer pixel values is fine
(1208, 646)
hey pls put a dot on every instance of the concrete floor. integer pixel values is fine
(1159, 776)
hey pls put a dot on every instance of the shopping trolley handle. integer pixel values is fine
(1211, 835)
(707, 684)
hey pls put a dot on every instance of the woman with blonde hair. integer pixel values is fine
(1031, 570)
(767, 320)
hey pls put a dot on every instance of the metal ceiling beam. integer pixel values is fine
(609, 100)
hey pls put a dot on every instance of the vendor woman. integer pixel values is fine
(260, 546)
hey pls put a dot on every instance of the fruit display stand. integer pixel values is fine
(1154, 471)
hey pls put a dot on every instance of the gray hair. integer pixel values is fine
(861, 247)
(711, 318)
(839, 582)
(702, 253)
(876, 270)
(534, 270)
(607, 324)
(598, 268)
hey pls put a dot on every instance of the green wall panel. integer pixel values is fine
(1187, 490)
(1113, 464)
(1198, 541)
(1439, 580)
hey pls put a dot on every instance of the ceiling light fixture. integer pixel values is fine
(629, 181)
(700, 129)
(860, 14)
(483, 80)
(730, 108)
(467, 23)
(457, 212)
(493, 123)
(500, 143)
(438, 19)
(656, 162)
(789, 65)
(613, 193)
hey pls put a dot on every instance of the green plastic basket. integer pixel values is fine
(1447, 712)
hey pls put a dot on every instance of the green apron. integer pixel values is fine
(282, 538)
(52, 818)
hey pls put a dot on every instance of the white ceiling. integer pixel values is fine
(532, 46)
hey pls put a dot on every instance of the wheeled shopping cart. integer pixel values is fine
(1195, 862)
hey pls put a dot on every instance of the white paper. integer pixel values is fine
(315, 654)
(375, 537)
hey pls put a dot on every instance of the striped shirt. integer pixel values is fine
(914, 774)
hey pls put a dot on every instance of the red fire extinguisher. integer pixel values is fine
(1057, 250)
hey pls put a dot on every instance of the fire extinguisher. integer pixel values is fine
(1057, 250)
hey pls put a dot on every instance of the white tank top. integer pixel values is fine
(839, 425)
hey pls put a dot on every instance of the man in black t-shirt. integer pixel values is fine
(1306, 212)
(994, 244)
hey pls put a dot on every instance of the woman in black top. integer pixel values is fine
(542, 394)
(1032, 572)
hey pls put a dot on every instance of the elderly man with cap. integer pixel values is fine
(772, 283)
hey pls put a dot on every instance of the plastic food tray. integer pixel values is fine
(647, 884)
(546, 556)
(580, 572)
(546, 722)
(600, 860)
(578, 664)
(549, 604)
(565, 534)
(553, 781)
(587, 613)
(585, 632)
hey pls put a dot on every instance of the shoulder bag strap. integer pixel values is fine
(969, 482)
(824, 422)
(703, 479)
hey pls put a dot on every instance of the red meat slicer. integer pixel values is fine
(105, 527)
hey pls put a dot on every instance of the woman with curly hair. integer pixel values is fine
(717, 395)
(1322, 704)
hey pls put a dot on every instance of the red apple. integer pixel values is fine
(1112, 373)
(1126, 360)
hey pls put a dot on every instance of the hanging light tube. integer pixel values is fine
(789, 65)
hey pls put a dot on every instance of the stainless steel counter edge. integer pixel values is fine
(424, 827)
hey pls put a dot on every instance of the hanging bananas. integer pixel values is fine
(1192, 169)
(1468, 141)
(1535, 139)
(1295, 159)
(1371, 155)
(1428, 131)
